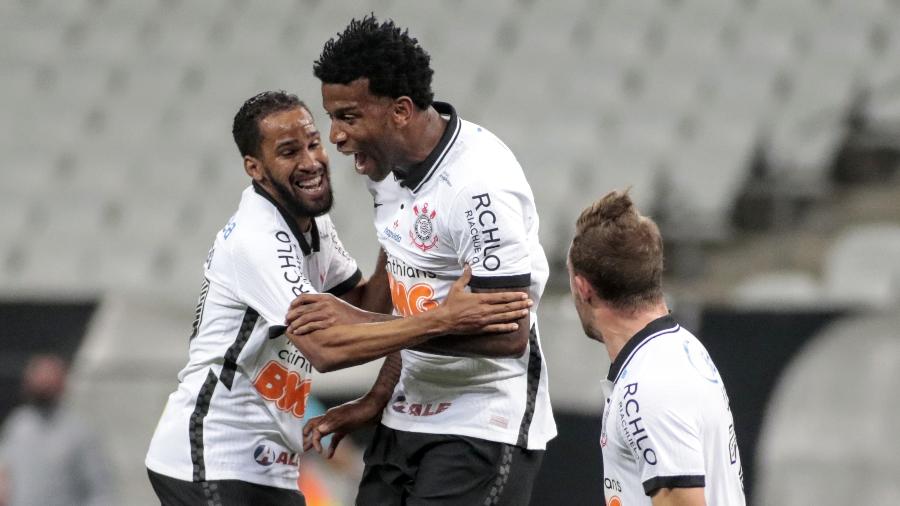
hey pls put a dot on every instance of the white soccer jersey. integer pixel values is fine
(467, 203)
(238, 411)
(667, 422)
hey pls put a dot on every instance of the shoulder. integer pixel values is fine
(660, 373)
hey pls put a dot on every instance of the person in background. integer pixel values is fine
(48, 455)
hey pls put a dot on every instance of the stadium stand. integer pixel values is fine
(117, 114)
(802, 449)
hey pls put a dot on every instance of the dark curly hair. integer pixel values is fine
(245, 128)
(395, 63)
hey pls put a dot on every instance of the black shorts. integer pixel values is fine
(415, 469)
(172, 492)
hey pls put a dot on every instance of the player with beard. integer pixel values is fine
(231, 432)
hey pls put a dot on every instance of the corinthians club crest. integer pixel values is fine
(422, 234)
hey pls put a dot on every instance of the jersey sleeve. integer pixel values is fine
(343, 273)
(487, 227)
(268, 273)
(663, 432)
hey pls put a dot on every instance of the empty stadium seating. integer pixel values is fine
(110, 99)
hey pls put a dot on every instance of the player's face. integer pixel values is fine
(294, 164)
(362, 126)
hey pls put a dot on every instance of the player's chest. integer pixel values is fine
(415, 226)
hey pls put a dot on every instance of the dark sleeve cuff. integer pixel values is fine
(515, 281)
(346, 285)
(679, 481)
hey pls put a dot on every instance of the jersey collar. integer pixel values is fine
(420, 173)
(292, 224)
(662, 325)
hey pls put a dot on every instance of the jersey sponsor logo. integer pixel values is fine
(632, 423)
(423, 235)
(703, 364)
(229, 227)
(285, 388)
(484, 231)
(413, 300)
(612, 484)
(614, 501)
(399, 268)
(290, 264)
(394, 236)
(198, 311)
(400, 405)
(265, 455)
(499, 421)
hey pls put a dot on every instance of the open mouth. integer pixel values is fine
(311, 186)
(359, 161)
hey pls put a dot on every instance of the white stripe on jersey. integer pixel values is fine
(238, 411)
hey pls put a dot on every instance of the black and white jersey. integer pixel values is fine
(238, 411)
(467, 203)
(667, 421)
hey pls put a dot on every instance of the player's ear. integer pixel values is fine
(402, 110)
(253, 168)
(584, 289)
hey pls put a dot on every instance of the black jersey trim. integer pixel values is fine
(677, 481)
(514, 281)
(346, 285)
(195, 425)
(234, 351)
(305, 247)
(660, 326)
(421, 173)
(535, 364)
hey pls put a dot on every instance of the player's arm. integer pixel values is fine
(679, 497)
(506, 344)
(348, 417)
(372, 294)
(331, 344)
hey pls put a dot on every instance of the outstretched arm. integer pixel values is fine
(497, 344)
(330, 343)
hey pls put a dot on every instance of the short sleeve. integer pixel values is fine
(487, 227)
(664, 434)
(343, 273)
(268, 273)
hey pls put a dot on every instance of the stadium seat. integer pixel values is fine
(862, 267)
(778, 290)
(838, 384)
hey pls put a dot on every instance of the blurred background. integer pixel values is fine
(763, 136)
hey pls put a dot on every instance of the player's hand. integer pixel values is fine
(316, 311)
(340, 421)
(465, 312)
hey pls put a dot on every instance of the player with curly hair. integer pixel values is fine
(467, 419)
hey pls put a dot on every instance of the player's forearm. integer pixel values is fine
(387, 379)
(343, 346)
(376, 294)
(511, 344)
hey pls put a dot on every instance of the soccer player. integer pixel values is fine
(668, 435)
(468, 418)
(231, 432)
